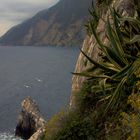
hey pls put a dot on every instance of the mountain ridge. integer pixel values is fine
(60, 25)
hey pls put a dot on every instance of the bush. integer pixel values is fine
(131, 119)
(70, 126)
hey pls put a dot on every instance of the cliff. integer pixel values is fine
(91, 47)
(60, 25)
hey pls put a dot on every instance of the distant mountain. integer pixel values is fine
(60, 25)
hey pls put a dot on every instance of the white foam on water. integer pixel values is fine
(7, 136)
(39, 80)
(27, 86)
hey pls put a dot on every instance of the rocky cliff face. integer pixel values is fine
(91, 48)
(61, 25)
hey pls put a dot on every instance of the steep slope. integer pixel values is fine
(61, 25)
(92, 49)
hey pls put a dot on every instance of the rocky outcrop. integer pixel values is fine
(31, 124)
(91, 48)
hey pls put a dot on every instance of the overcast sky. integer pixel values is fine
(13, 12)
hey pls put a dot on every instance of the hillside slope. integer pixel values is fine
(60, 25)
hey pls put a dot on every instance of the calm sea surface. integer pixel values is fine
(44, 73)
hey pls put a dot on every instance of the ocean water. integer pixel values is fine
(8, 136)
(44, 73)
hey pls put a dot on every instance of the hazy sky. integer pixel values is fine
(13, 12)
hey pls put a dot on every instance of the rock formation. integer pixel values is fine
(31, 124)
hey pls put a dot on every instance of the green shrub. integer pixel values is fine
(70, 126)
(85, 99)
(131, 119)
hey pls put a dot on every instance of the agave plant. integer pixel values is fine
(94, 18)
(117, 71)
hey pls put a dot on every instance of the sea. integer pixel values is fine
(44, 73)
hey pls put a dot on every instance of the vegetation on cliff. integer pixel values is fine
(107, 106)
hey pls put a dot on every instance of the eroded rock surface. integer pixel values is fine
(31, 124)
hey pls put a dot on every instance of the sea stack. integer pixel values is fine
(31, 124)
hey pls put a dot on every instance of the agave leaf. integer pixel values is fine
(135, 66)
(116, 13)
(91, 12)
(105, 49)
(105, 98)
(115, 42)
(125, 35)
(115, 95)
(119, 36)
(98, 89)
(86, 74)
(110, 66)
(120, 49)
(117, 27)
(96, 36)
(122, 73)
(132, 58)
(135, 27)
(82, 74)
(113, 58)
(111, 37)
(135, 39)
(130, 19)
(104, 67)
(91, 69)
(102, 84)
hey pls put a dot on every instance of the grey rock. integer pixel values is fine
(31, 124)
